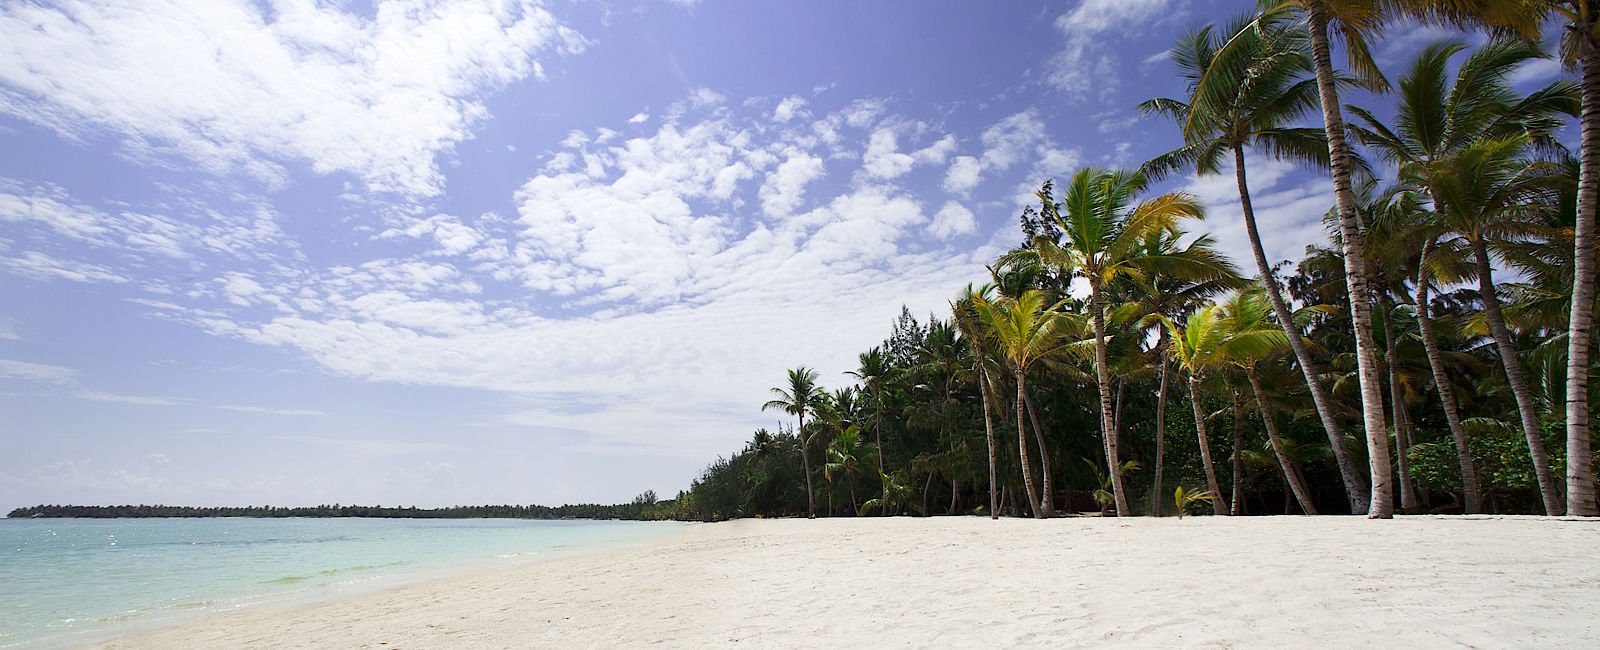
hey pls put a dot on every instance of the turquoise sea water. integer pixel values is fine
(66, 580)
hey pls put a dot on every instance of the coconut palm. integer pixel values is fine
(1245, 83)
(1248, 339)
(1197, 348)
(1101, 231)
(1581, 49)
(1462, 141)
(1169, 297)
(874, 371)
(1025, 331)
(964, 312)
(846, 453)
(801, 397)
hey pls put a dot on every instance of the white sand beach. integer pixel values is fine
(1511, 582)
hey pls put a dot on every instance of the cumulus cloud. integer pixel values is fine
(964, 174)
(232, 87)
(1085, 64)
(952, 219)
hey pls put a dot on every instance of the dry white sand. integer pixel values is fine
(1338, 582)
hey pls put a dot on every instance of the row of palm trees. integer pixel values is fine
(1480, 178)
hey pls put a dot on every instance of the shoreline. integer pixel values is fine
(969, 582)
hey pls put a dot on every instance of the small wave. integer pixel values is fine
(328, 573)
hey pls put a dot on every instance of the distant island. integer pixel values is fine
(644, 507)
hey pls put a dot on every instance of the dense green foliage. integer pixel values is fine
(645, 506)
(1054, 386)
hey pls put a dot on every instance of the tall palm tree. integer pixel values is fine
(1197, 348)
(801, 397)
(1169, 297)
(1356, 21)
(1248, 339)
(1245, 84)
(1581, 50)
(1462, 141)
(873, 371)
(965, 314)
(1101, 231)
(846, 453)
(1025, 330)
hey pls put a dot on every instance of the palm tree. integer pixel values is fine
(1197, 348)
(846, 453)
(1100, 236)
(1581, 46)
(1170, 297)
(1462, 141)
(964, 312)
(873, 373)
(1244, 85)
(801, 397)
(1248, 339)
(1025, 331)
(1355, 20)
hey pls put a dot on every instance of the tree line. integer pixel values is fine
(643, 507)
(1115, 358)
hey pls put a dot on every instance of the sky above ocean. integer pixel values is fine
(431, 253)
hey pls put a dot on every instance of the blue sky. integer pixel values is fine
(486, 251)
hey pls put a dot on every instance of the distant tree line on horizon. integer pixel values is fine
(1117, 362)
(643, 507)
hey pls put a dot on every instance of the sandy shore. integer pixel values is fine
(1512, 582)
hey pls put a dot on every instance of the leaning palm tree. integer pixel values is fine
(801, 397)
(1169, 297)
(1463, 142)
(1101, 229)
(1197, 348)
(1025, 330)
(1248, 339)
(965, 314)
(1358, 21)
(1245, 85)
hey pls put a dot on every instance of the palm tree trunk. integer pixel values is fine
(1205, 447)
(1292, 477)
(1047, 496)
(805, 461)
(1022, 444)
(877, 434)
(1161, 428)
(984, 393)
(1354, 487)
(1102, 373)
(1238, 452)
(1580, 456)
(1381, 502)
(1470, 493)
(1408, 496)
(1518, 380)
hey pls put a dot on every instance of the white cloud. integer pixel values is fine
(235, 89)
(39, 372)
(784, 190)
(1084, 64)
(952, 219)
(883, 158)
(1011, 139)
(134, 400)
(790, 108)
(639, 118)
(963, 175)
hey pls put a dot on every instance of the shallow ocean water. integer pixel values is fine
(65, 579)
